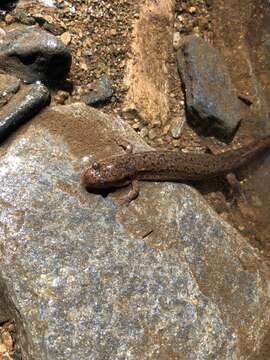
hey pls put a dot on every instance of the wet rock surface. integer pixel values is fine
(87, 278)
(9, 85)
(22, 107)
(211, 99)
(33, 54)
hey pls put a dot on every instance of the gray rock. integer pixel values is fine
(9, 85)
(212, 104)
(21, 16)
(84, 280)
(33, 54)
(22, 107)
(102, 94)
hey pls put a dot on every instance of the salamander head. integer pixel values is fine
(103, 175)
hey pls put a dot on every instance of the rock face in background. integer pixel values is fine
(87, 278)
(242, 35)
(33, 54)
(211, 99)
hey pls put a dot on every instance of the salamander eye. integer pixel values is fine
(96, 165)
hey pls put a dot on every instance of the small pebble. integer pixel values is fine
(156, 123)
(2, 33)
(84, 66)
(66, 38)
(257, 201)
(192, 10)
(113, 32)
(152, 134)
(196, 31)
(176, 40)
(144, 132)
(9, 19)
(7, 340)
(159, 142)
(3, 348)
(166, 129)
(136, 126)
(61, 97)
(177, 127)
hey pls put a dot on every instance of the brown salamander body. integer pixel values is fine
(162, 165)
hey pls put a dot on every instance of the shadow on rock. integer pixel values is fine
(8, 4)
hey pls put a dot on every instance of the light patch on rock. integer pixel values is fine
(48, 2)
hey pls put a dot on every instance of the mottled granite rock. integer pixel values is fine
(86, 278)
(22, 107)
(33, 54)
(212, 104)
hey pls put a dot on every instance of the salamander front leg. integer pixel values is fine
(127, 146)
(132, 194)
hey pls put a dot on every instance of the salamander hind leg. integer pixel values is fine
(132, 194)
(235, 186)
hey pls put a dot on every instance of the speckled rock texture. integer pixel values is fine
(211, 99)
(87, 278)
(33, 54)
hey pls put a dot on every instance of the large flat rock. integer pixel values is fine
(86, 278)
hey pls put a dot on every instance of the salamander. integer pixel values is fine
(166, 165)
